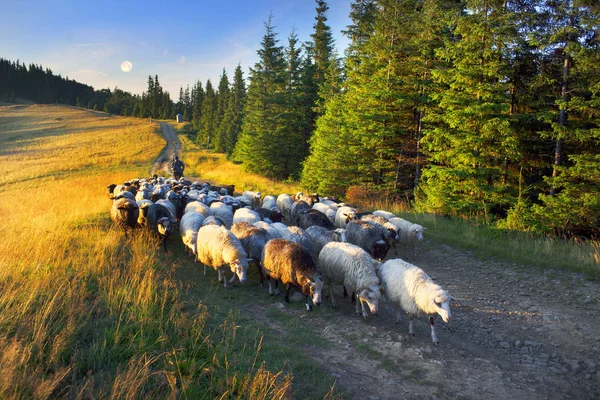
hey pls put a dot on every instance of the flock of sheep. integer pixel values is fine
(323, 243)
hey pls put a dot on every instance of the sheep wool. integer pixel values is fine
(351, 266)
(292, 265)
(410, 288)
(218, 248)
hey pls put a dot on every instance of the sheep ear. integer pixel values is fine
(452, 298)
(382, 288)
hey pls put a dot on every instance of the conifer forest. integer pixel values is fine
(486, 109)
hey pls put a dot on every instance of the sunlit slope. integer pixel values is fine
(85, 313)
(43, 140)
(56, 161)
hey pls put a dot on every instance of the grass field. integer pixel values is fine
(86, 313)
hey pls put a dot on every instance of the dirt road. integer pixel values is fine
(172, 149)
(516, 333)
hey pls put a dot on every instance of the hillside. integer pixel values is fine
(85, 312)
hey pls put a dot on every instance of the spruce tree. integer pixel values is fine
(471, 132)
(258, 146)
(206, 133)
(234, 115)
(223, 97)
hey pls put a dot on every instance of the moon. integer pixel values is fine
(126, 66)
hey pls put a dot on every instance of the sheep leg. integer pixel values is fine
(225, 280)
(271, 291)
(358, 308)
(433, 334)
(345, 292)
(287, 292)
(398, 313)
(233, 278)
(205, 270)
(333, 305)
(164, 243)
(395, 247)
(260, 273)
(364, 307)
(308, 306)
(220, 273)
(410, 325)
(353, 298)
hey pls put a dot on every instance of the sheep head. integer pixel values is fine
(371, 296)
(340, 235)
(239, 268)
(440, 301)
(314, 286)
(164, 226)
(417, 231)
(380, 249)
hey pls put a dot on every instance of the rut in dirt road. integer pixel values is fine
(172, 149)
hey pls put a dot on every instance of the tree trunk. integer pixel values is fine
(562, 119)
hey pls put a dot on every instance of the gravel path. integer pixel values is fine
(516, 333)
(172, 149)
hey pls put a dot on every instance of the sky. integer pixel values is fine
(181, 42)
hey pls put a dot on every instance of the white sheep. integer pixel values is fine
(222, 211)
(267, 227)
(253, 197)
(352, 267)
(197, 206)
(408, 234)
(410, 289)
(344, 215)
(325, 209)
(246, 215)
(270, 203)
(321, 236)
(218, 248)
(385, 214)
(284, 202)
(189, 226)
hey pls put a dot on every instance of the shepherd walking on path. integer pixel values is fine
(177, 167)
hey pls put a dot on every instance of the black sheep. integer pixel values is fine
(312, 217)
(159, 222)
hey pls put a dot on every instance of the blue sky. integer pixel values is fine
(180, 41)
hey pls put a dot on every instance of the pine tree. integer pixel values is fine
(232, 121)
(207, 125)
(570, 204)
(223, 98)
(197, 100)
(187, 105)
(258, 146)
(472, 133)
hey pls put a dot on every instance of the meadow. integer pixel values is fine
(83, 312)
(86, 313)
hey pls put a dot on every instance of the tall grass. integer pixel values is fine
(83, 311)
(489, 241)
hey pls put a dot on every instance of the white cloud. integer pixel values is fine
(181, 60)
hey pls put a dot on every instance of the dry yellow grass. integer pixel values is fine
(84, 312)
